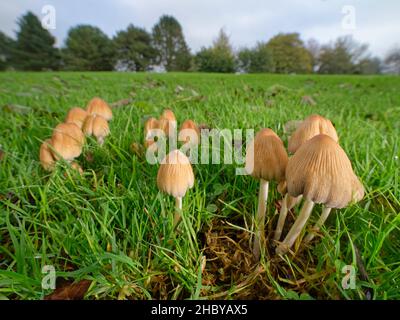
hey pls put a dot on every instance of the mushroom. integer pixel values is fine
(77, 167)
(288, 203)
(189, 132)
(310, 127)
(175, 176)
(47, 159)
(320, 171)
(76, 115)
(99, 107)
(149, 126)
(167, 123)
(266, 159)
(67, 141)
(97, 126)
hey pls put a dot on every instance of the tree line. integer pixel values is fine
(87, 48)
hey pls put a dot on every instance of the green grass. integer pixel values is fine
(113, 227)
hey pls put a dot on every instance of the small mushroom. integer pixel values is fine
(167, 123)
(99, 107)
(149, 126)
(189, 132)
(320, 171)
(266, 159)
(97, 126)
(175, 176)
(77, 167)
(47, 158)
(310, 127)
(76, 115)
(67, 141)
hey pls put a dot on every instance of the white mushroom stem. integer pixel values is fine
(324, 215)
(260, 218)
(282, 218)
(288, 203)
(178, 210)
(296, 228)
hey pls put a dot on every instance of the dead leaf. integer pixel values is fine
(70, 291)
(308, 100)
(121, 103)
(2, 154)
(16, 108)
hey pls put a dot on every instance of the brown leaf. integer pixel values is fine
(121, 103)
(2, 154)
(70, 291)
(308, 100)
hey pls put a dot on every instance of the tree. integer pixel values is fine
(133, 49)
(342, 57)
(289, 54)
(219, 57)
(7, 46)
(34, 48)
(314, 48)
(369, 66)
(88, 48)
(255, 60)
(392, 60)
(172, 51)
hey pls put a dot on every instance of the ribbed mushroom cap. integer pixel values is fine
(67, 141)
(186, 136)
(321, 171)
(310, 127)
(97, 126)
(167, 119)
(358, 190)
(76, 115)
(175, 175)
(149, 125)
(100, 107)
(266, 157)
(47, 159)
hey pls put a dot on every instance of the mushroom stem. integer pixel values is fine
(260, 218)
(324, 215)
(178, 210)
(295, 231)
(282, 218)
(100, 140)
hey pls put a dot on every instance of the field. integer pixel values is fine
(112, 226)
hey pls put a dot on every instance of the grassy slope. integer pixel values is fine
(112, 225)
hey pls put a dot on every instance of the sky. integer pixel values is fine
(246, 22)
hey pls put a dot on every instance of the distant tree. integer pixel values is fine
(7, 46)
(289, 54)
(255, 60)
(314, 48)
(218, 58)
(133, 49)
(88, 48)
(342, 57)
(392, 60)
(369, 65)
(172, 51)
(34, 48)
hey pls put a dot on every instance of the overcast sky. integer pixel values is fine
(248, 21)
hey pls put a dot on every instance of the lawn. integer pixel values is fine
(112, 226)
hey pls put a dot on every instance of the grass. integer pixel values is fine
(113, 227)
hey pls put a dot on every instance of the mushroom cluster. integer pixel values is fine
(68, 138)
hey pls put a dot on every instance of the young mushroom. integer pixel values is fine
(97, 126)
(76, 115)
(67, 141)
(310, 127)
(168, 123)
(175, 176)
(47, 159)
(150, 125)
(266, 159)
(320, 171)
(99, 107)
(189, 132)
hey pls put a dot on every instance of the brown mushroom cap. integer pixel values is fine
(189, 125)
(310, 127)
(175, 175)
(358, 190)
(321, 171)
(97, 126)
(76, 115)
(67, 141)
(99, 107)
(150, 124)
(167, 119)
(47, 159)
(268, 155)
